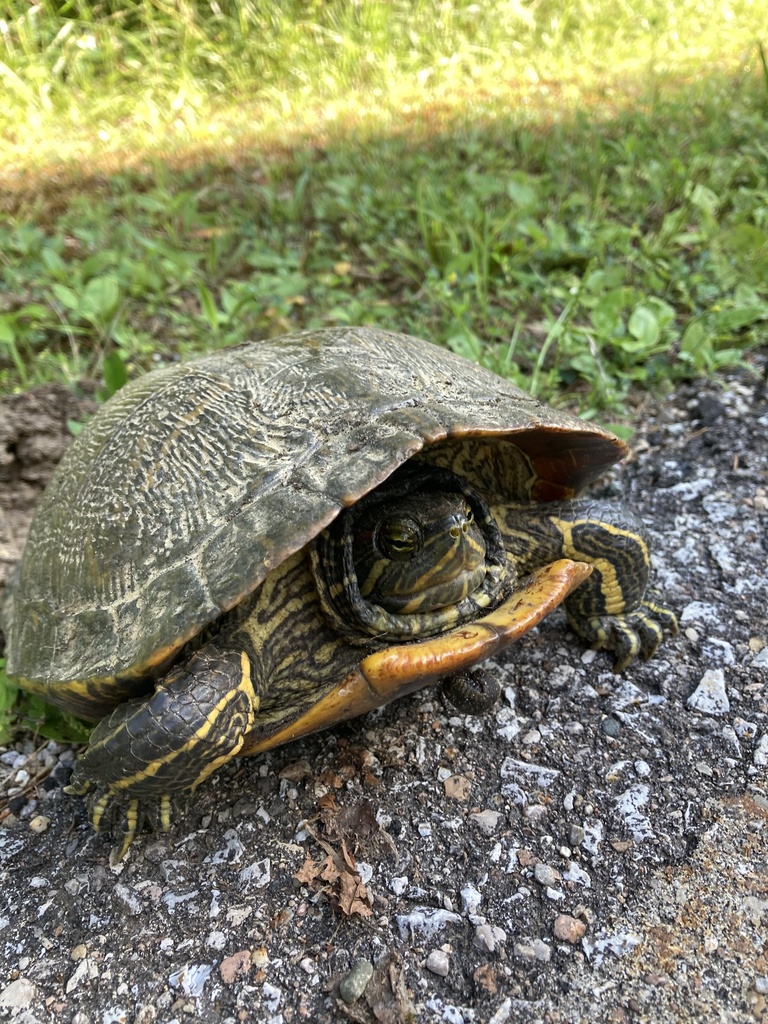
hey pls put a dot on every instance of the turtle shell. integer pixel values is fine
(195, 481)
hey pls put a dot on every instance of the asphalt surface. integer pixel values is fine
(593, 850)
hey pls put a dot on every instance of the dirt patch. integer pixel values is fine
(34, 434)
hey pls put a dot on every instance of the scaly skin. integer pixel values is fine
(615, 608)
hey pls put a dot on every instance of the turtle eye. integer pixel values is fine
(398, 538)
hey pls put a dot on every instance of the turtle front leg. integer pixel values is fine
(150, 750)
(615, 608)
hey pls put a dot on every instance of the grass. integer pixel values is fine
(574, 194)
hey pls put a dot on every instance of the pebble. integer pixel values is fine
(544, 874)
(629, 804)
(271, 997)
(39, 823)
(719, 651)
(129, 902)
(700, 611)
(438, 962)
(426, 921)
(535, 950)
(353, 984)
(470, 899)
(532, 774)
(503, 1013)
(13, 758)
(489, 936)
(761, 985)
(216, 940)
(576, 835)
(259, 873)
(568, 929)
(235, 966)
(760, 756)
(19, 995)
(610, 727)
(86, 970)
(744, 730)
(191, 978)
(457, 787)
(710, 696)
(576, 874)
(114, 1015)
(486, 821)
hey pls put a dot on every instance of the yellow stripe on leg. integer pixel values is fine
(211, 719)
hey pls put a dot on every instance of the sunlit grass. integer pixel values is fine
(156, 77)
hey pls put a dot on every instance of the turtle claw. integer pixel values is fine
(634, 634)
(123, 816)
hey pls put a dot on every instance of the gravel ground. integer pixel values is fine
(595, 850)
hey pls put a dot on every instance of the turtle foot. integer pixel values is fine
(124, 815)
(634, 634)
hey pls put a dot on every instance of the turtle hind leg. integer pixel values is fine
(151, 750)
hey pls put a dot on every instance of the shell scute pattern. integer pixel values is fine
(197, 480)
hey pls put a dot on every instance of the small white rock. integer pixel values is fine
(542, 951)
(744, 730)
(503, 1013)
(216, 940)
(438, 963)
(425, 921)
(86, 970)
(760, 756)
(710, 696)
(486, 821)
(470, 899)
(489, 936)
(19, 995)
(544, 874)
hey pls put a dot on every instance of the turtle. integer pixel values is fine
(243, 549)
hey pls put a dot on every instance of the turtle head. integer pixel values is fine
(418, 552)
(417, 556)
